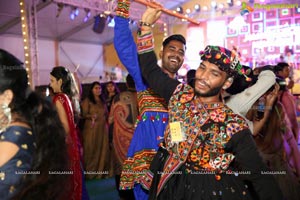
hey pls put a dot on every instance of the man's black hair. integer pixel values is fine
(176, 37)
(190, 77)
(280, 66)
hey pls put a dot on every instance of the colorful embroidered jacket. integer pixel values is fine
(207, 129)
(214, 137)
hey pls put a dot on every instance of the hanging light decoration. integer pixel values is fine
(230, 3)
(205, 8)
(221, 6)
(74, 13)
(179, 10)
(197, 7)
(165, 30)
(88, 14)
(26, 43)
(238, 3)
(214, 4)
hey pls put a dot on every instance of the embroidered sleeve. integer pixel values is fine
(145, 43)
(122, 9)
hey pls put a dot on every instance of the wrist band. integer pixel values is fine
(145, 43)
(145, 24)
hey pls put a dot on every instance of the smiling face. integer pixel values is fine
(209, 80)
(172, 57)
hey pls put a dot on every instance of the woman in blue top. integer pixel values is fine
(32, 139)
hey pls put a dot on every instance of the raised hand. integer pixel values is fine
(272, 96)
(151, 15)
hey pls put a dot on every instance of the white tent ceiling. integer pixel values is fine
(70, 35)
(62, 28)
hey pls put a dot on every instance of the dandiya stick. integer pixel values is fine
(169, 12)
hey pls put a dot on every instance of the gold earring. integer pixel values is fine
(5, 122)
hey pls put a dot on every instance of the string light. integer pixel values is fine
(88, 14)
(213, 4)
(165, 30)
(230, 3)
(238, 3)
(197, 8)
(25, 40)
(179, 10)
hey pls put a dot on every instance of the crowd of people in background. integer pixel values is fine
(158, 137)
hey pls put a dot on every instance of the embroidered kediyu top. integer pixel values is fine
(151, 107)
(12, 172)
(205, 149)
(201, 149)
(150, 126)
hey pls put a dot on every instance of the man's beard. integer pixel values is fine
(171, 69)
(212, 92)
